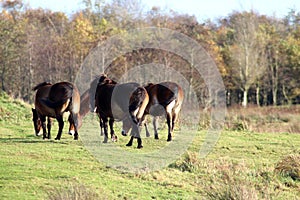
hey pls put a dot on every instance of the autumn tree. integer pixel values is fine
(247, 51)
(291, 49)
(11, 48)
(275, 30)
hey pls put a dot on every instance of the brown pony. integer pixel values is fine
(53, 101)
(164, 98)
(124, 102)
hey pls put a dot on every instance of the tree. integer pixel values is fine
(11, 47)
(247, 51)
(274, 50)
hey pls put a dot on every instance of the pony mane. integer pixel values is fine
(41, 85)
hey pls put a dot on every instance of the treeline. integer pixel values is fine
(258, 56)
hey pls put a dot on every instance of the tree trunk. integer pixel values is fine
(257, 95)
(3, 81)
(274, 76)
(289, 102)
(275, 83)
(274, 95)
(245, 98)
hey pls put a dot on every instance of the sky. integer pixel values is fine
(202, 9)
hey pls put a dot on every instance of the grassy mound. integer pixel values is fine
(12, 110)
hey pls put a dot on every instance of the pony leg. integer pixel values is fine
(129, 144)
(75, 121)
(43, 121)
(143, 121)
(72, 125)
(154, 122)
(101, 124)
(175, 115)
(138, 137)
(49, 123)
(101, 127)
(174, 119)
(114, 138)
(135, 132)
(60, 126)
(147, 131)
(139, 140)
(105, 130)
(169, 121)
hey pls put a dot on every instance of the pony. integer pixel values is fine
(53, 101)
(165, 98)
(91, 97)
(123, 102)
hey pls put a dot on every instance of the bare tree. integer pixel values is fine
(247, 51)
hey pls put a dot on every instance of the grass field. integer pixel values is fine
(244, 164)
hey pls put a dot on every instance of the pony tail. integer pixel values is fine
(135, 102)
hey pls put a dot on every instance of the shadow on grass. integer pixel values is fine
(31, 140)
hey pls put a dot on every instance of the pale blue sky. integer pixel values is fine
(202, 9)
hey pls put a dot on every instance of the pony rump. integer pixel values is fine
(64, 92)
(170, 92)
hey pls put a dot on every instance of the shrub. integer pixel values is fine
(74, 192)
(232, 191)
(189, 162)
(289, 166)
(294, 126)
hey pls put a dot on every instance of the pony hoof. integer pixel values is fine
(156, 137)
(124, 133)
(105, 141)
(129, 145)
(57, 138)
(169, 139)
(140, 146)
(71, 132)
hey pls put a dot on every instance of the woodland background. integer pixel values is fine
(258, 56)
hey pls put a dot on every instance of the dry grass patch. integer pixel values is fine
(74, 192)
(270, 119)
(289, 166)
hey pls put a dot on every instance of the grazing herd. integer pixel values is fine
(127, 102)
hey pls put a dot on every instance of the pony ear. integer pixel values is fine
(103, 75)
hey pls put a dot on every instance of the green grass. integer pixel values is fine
(241, 166)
